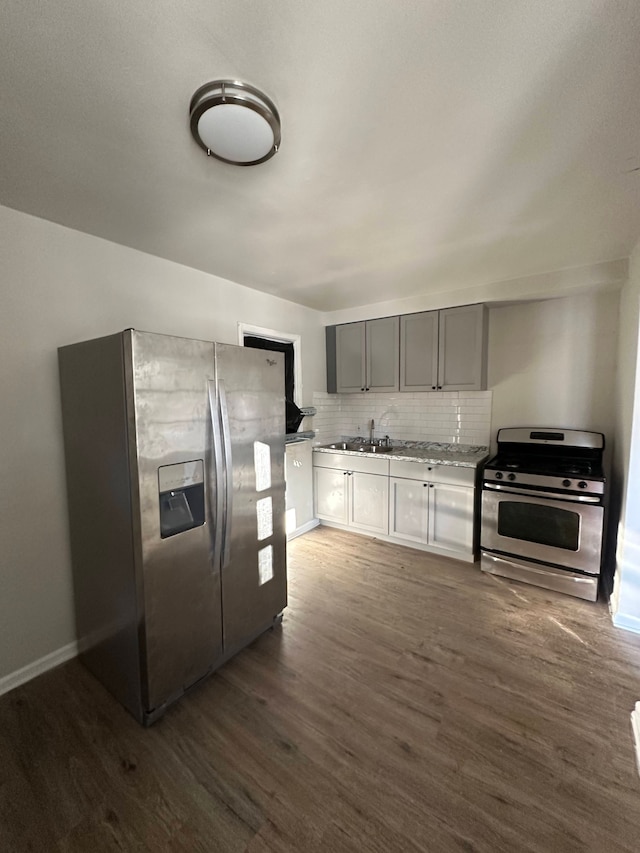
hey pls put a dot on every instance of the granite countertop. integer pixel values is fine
(432, 452)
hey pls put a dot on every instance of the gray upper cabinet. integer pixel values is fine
(419, 351)
(462, 348)
(383, 353)
(363, 356)
(444, 350)
(351, 357)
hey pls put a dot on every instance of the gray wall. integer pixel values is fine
(553, 363)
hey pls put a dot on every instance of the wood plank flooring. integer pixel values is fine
(408, 703)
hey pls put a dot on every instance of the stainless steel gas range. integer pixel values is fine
(543, 498)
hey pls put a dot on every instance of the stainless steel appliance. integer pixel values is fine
(543, 498)
(175, 478)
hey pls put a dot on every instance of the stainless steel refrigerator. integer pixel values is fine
(175, 479)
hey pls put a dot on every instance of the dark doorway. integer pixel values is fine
(277, 346)
(294, 417)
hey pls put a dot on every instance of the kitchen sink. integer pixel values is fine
(361, 447)
(371, 448)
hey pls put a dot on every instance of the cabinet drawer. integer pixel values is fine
(426, 471)
(351, 462)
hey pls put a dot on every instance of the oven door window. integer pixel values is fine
(545, 525)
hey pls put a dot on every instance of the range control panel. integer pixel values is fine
(544, 481)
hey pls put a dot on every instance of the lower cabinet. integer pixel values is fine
(451, 517)
(352, 498)
(330, 489)
(428, 506)
(298, 475)
(368, 501)
(409, 510)
(433, 514)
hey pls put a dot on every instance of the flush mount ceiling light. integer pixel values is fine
(235, 122)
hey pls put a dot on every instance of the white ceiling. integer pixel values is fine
(427, 145)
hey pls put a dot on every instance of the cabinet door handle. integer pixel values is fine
(424, 485)
(439, 387)
(433, 387)
(430, 485)
(362, 389)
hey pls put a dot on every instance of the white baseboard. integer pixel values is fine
(635, 728)
(31, 670)
(305, 528)
(629, 623)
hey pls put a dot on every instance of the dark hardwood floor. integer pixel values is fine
(408, 703)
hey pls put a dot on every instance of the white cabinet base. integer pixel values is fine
(427, 507)
(298, 477)
(394, 540)
(353, 499)
(451, 517)
(439, 516)
(369, 502)
(331, 495)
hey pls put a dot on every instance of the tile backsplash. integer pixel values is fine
(456, 417)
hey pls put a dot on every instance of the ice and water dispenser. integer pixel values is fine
(181, 489)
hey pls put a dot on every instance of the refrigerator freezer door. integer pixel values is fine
(182, 632)
(251, 405)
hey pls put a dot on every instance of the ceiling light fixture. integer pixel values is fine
(235, 122)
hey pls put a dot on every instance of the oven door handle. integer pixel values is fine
(552, 496)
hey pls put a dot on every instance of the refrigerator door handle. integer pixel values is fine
(228, 465)
(216, 500)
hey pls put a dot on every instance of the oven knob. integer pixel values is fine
(566, 483)
(498, 475)
(582, 484)
(511, 476)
